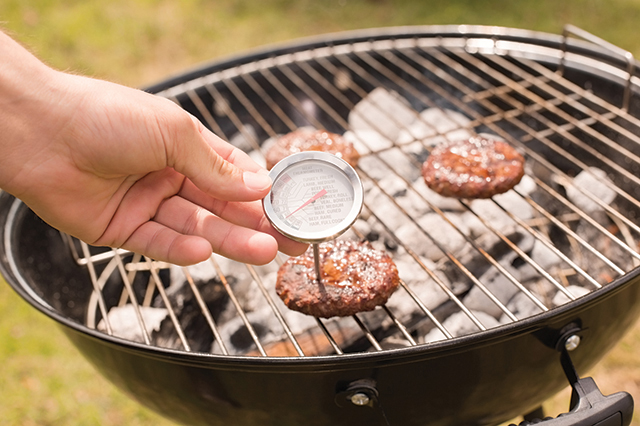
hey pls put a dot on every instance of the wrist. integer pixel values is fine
(29, 116)
(22, 75)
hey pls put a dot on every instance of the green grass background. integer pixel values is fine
(43, 379)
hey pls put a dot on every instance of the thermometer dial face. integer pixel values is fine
(315, 196)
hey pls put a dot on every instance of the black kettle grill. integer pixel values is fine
(212, 345)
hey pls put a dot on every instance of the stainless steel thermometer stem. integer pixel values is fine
(315, 197)
(316, 261)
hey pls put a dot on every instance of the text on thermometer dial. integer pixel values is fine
(315, 196)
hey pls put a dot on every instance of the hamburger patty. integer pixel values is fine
(354, 278)
(311, 140)
(473, 168)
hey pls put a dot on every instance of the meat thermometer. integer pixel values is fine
(315, 197)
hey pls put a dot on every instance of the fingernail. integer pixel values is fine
(256, 181)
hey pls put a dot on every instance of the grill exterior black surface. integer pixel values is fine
(569, 106)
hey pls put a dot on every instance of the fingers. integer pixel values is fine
(184, 233)
(249, 215)
(225, 238)
(161, 243)
(139, 205)
(151, 219)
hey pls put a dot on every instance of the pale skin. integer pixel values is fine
(114, 166)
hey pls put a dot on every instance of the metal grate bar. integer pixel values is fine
(329, 336)
(365, 330)
(132, 298)
(93, 306)
(167, 304)
(338, 95)
(206, 114)
(241, 313)
(97, 289)
(293, 100)
(275, 310)
(131, 276)
(205, 311)
(577, 94)
(571, 29)
(82, 260)
(401, 327)
(250, 107)
(359, 70)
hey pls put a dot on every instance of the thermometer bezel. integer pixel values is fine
(324, 159)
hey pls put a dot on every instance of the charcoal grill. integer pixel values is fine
(211, 344)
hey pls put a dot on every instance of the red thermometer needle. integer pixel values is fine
(309, 201)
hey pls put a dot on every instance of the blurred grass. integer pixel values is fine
(43, 379)
(137, 42)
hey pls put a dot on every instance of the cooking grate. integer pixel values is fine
(550, 240)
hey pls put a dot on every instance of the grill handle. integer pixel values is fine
(589, 407)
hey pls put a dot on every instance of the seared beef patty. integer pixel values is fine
(311, 140)
(473, 168)
(354, 278)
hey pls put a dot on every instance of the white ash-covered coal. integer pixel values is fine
(470, 264)
(124, 321)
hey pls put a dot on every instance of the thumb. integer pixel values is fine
(217, 167)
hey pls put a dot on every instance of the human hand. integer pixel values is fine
(118, 167)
